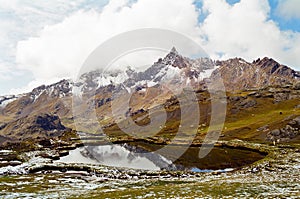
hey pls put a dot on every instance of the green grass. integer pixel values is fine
(266, 113)
(242, 125)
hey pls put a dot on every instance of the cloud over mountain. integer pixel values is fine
(243, 29)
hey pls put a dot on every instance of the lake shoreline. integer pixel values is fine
(279, 168)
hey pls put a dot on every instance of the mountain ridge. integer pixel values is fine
(148, 89)
(173, 58)
(236, 73)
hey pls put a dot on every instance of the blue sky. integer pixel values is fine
(28, 27)
(284, 23)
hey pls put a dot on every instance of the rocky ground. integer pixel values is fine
(275, 176)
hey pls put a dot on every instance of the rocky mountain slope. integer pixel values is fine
(34, 127)
(174, 67)
(249, 86)
(238, 74)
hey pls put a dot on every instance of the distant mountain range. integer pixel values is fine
(98, 89)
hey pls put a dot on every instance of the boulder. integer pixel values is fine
(247, 103)
(275, 132)
(295, 122)
(296, 86)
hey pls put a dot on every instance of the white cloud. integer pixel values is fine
(20, 19)
(5, 71)
(245, 30)
(32, 84)
(60, 50)
(240, 30)
(10, 76)
(289, 8)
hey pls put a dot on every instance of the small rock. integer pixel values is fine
(254, 170)
(268, 95)
(248, 103)
(275, 132)
(235, 98)
(252, 93)
(297, 106)
(263, 128)
(296, 86)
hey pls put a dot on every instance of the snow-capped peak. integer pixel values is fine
(173, 67)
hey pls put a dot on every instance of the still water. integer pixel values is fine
(144, 156)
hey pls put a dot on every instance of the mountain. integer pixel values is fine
(173, 67)
(237, 74)
(35, 127)
(249, 86)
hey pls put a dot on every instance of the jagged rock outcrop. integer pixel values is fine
(34, 127)
(238, 74)
(290, 131)
(173, 67)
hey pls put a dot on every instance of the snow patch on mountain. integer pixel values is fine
(107, 79)
(174, 69)
(57, 90)
(5, 100)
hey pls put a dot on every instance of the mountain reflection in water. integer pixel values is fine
(117, 156)
(145, 156)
